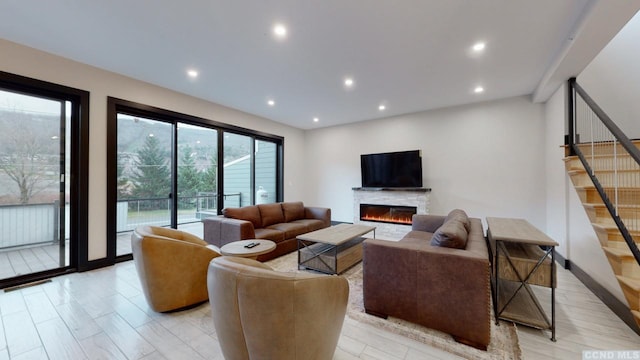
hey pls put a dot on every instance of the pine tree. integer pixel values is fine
(151, 174)
(210, 175)
(189, 180)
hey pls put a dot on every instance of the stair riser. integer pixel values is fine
(625, 197)
(603, 163)
(615, 235)
(632, 296)
(604, 148)
(632, 225)
(607, 179)
(625, 266)
(624, 213)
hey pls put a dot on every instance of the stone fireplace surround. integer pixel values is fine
(417, 197)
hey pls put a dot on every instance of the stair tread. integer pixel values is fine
(601, 205)
(609, 223)
(583, 171)
(619, 252)
(630, 282)
(589, 187)
(575, 157)
(612, 226)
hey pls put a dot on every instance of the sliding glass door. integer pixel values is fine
(144, 176)
(34, 192)
(173, 170)
(197, 176)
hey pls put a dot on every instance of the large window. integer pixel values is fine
(170, 169)
(43, 172)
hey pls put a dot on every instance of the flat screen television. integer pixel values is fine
(401, 169)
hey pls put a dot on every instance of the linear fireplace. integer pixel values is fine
(418, 197)
(393, 214)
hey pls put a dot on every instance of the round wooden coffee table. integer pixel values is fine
(241, 249)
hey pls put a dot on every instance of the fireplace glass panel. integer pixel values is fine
(387, 213)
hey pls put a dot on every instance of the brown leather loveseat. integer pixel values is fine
(278, 222)
(436, 276)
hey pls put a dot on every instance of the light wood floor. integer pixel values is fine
(102, 314)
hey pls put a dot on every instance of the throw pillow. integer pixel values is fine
(460, 215)
(293, 211)
(249, 213)
(451, 234)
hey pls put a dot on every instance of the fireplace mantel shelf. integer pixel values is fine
(391, 189)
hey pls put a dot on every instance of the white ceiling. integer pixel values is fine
(411, 55)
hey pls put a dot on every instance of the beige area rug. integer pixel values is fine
(504, 339)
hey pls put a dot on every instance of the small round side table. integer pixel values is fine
(240, 249)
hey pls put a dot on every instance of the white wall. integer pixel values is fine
(557, 182)
(612, 79)
(26, 61)
(485, 158)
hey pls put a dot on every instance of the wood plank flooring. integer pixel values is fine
(102, 314)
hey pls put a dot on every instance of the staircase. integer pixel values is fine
(604, 167)
(620, 257)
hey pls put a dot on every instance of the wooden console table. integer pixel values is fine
(518, 261)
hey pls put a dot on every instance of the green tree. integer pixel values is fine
(123, 181)
(210, 175)
(151, 174)
(189, 180)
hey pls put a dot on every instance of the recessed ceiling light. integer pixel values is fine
(478, 89)
(192, 73)
(381, 107)
(479, 46)
(280, 30)
(151, 135)
(271, 102)
(315, 119)
(348, 82)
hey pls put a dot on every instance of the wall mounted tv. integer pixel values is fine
(401, 169)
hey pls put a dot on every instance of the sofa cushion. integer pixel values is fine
(422, 236)
(311, 224)
(249, 213)
(451, 234)
(270, 234)
(293, 211)
(271, 214)
(290, 229)
(458, 214)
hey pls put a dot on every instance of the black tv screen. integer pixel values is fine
(394, 169)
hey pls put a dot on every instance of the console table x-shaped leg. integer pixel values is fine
(523, 283)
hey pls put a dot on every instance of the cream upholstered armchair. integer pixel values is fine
(260, 313)
(172, 266)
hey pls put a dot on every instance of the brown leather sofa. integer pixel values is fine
(260, 313)
(437, 286)
(278, 222)
(172, 266)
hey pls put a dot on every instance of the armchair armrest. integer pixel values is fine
(428, 223)
(319, 213)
